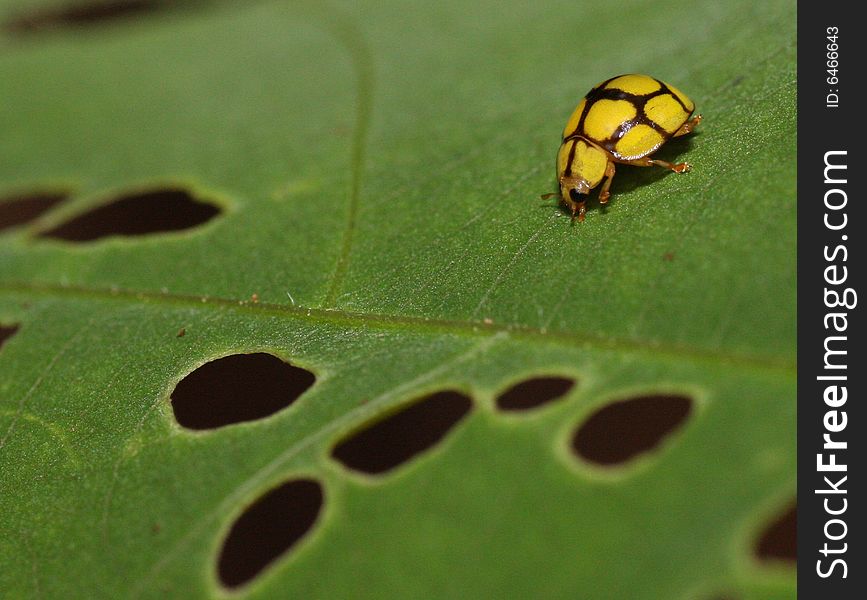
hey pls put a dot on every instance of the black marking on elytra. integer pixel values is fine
(673, 95)
(601, 85)
(580, 125)
(610, 144)
(600, 92)
(589, 101)
(567, 171)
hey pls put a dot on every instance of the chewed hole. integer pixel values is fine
(19, 210)
(622, 430)
(237, 388)
(778, 542)
(392, 441)
(137, 214)
(81, 14)
(6, 332)
(268, 529)
(535, 392)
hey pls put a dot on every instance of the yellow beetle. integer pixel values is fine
(623, 120)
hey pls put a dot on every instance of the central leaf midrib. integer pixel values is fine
(413, 324)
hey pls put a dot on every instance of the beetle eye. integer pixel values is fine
(575, 195)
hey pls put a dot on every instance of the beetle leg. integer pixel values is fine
(647, 162)
(677, 168)
(688, 126)
(578, 210)
(604, 194)
(551, 195)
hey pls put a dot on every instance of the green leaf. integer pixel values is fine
(378, 166)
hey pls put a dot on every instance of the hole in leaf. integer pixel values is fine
(237, 388)
(19, 210)
(534, 392)
(269, 527)
(392, 441)
(621, 430)
(779, 540)
(137, 214)
(6, 332)
(81, 14)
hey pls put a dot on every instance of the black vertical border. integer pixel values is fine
(822, 129)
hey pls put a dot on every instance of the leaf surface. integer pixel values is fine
(378, 167)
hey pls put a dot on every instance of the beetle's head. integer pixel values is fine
(573, 192)
(581, 166)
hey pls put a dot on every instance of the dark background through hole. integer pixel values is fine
(23, 209)
(624, 429)
(6, 332)
(535, 392)
(780, 540)
(81, 13)
(267, 529)
(388, 443)
(136, 214)
(236, 388)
